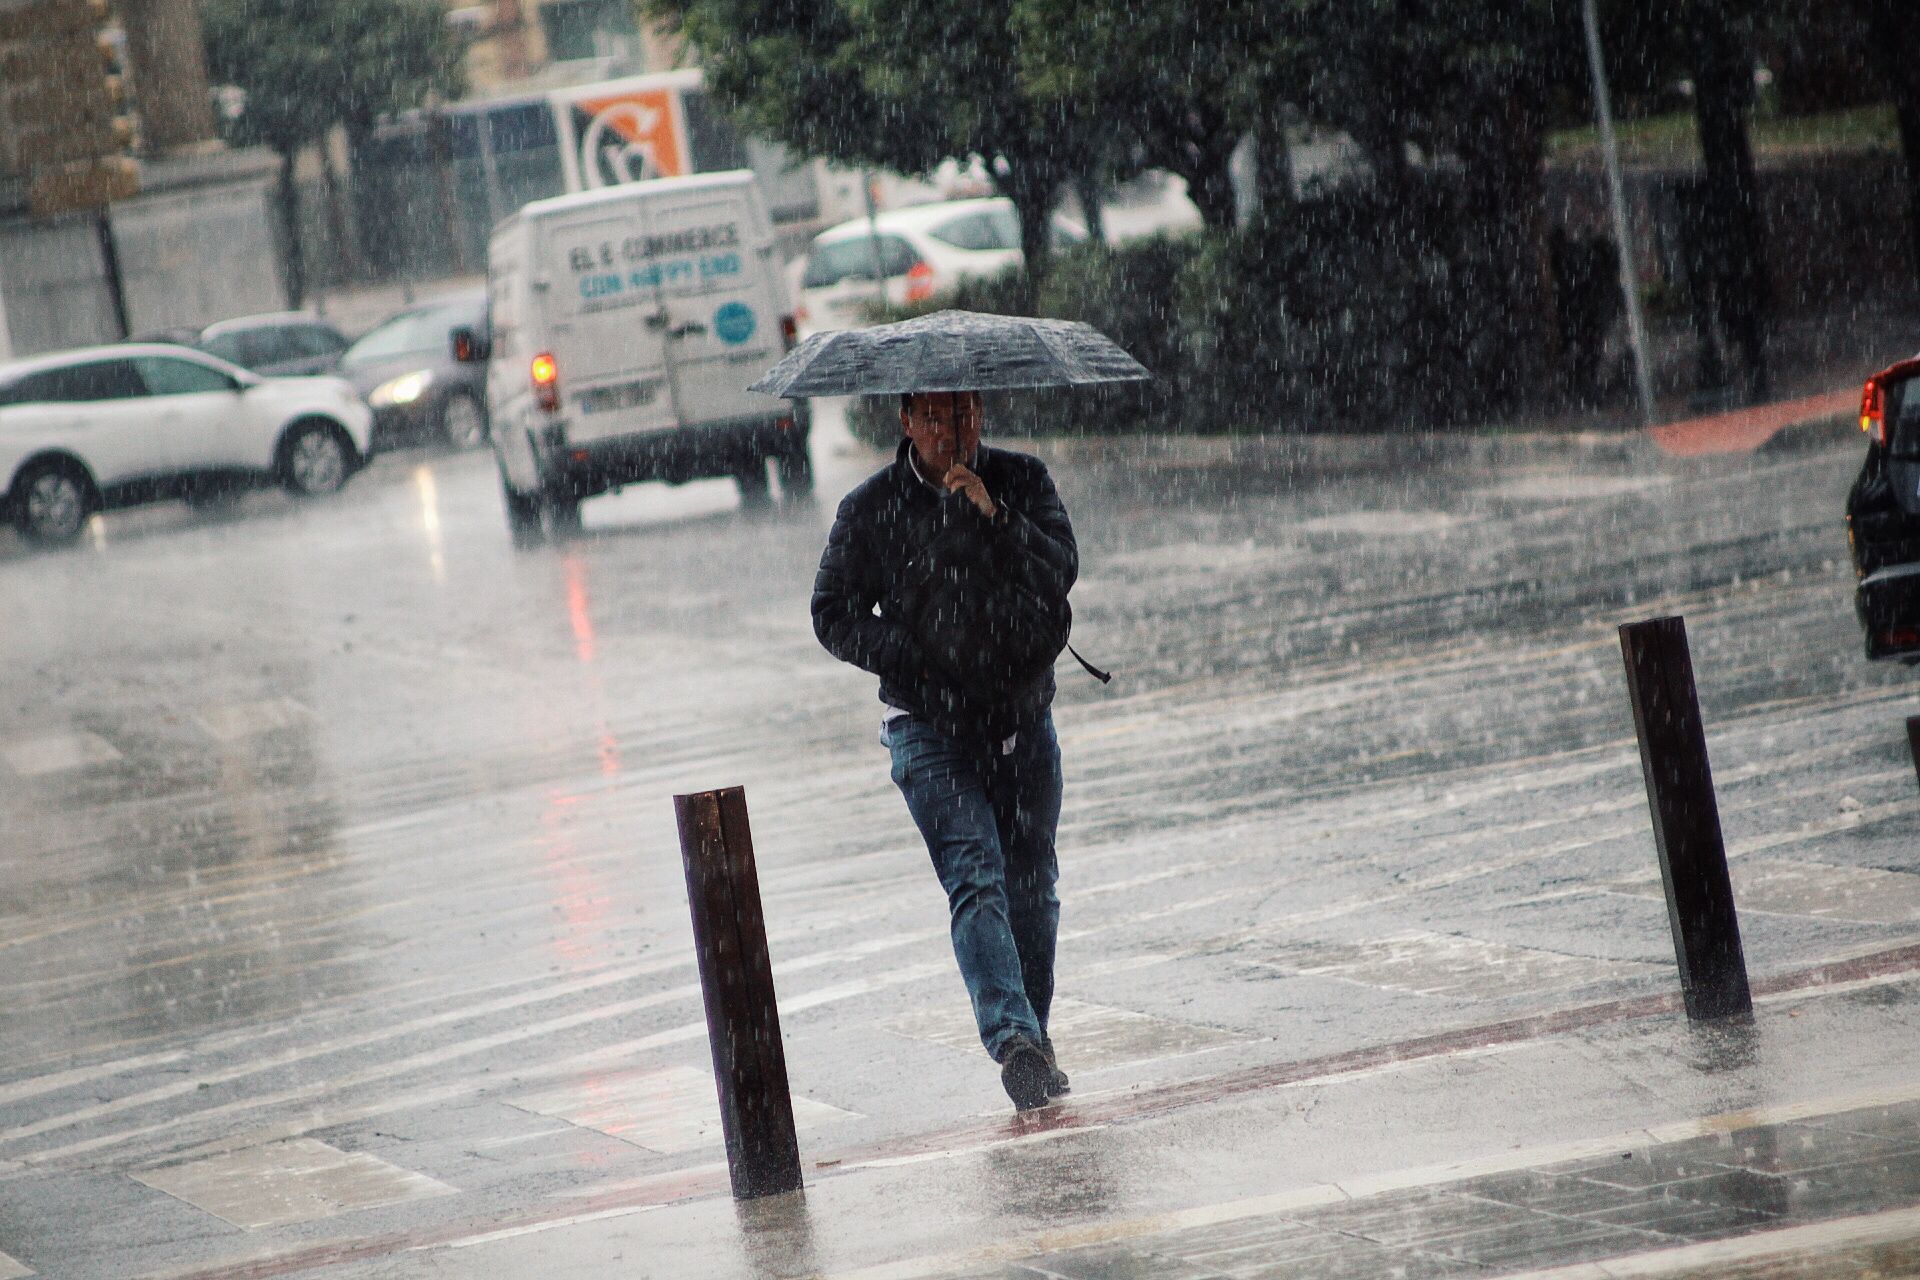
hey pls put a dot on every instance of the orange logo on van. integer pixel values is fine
(626, 137)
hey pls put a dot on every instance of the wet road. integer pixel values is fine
(338, 839)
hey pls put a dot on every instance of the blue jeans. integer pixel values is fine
(989, 821)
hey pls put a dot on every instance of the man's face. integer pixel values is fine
(944, 427)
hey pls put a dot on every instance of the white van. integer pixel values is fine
(624, 326)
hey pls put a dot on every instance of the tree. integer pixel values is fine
(1894, 32)
(1472, 86)
(1732, 226)
(1185, 82)
(305, 66)
(895, 84)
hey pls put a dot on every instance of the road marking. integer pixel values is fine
(668, 1111)
(13, 1269)
(286, 1182)
(1367, 1187)
(1843, 1235)
(235, 720)
(536, 1228)
(1810, 889)
(1102, 1036)
(1448, 965)
(57, 753)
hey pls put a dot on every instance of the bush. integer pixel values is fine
(1359, 311)
(1127, 293)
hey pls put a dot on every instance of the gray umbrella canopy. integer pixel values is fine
(951, 351)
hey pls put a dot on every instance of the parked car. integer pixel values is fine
(279, 345)
(1883, 514)
(104, 427)
(405, 369)
(923, 250)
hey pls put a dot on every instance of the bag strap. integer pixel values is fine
(1104, 677)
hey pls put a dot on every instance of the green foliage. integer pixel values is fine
(1363, 312)
(894, 84)
(308, 65)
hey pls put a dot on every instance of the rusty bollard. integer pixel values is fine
(736, 980)
(1686, 818)
(1913, 742)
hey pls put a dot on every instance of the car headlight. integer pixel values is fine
(404, 389)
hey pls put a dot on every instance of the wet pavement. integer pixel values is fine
(345, 928)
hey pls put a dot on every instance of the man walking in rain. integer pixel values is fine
(946, 575)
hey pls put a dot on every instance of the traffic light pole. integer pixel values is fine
(110, 265)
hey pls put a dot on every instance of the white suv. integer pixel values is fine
(923, 250)
(83, 431)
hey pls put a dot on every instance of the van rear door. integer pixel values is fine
(722, 299)
(605, 332)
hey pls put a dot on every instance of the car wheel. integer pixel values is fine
(796, 473)
(755, 489)
(462, 423)
(53, 502)
(316, 459)
(523, 516)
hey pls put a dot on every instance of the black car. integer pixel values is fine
(1883, 514)
(287, 344)
(404, 368)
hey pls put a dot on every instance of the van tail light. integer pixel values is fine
(919, 281)
(546, 382)
(789, 331)
(1873, 410)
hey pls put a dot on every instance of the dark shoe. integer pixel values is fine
(1057, 1082)
(1024, 1073)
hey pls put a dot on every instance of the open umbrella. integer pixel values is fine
(951, 351)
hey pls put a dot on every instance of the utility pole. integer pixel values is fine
(6, 334)
(1622, 227)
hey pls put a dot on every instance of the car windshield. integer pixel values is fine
(423, 329)
(829, 264)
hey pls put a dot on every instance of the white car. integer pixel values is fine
(923, 250)
(84, 431)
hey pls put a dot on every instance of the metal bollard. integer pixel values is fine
(1913, 742)
(1686, 819)
(736, 979)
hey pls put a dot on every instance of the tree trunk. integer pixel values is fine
(1893, 27)
(1034, 190)
(343, 251)
(291, 239)
(1087, 190)
(1210, 187)
(1510, 160)
(1273, 168)
(1734, 225)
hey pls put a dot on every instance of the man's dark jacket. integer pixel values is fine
(967, 605)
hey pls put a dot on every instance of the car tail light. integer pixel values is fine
(546, 382)
(1873, 410)
(790, 330)
(919, 281)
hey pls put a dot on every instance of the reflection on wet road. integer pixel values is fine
(342, 828)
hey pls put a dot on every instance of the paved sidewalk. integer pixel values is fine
(1699, 1200)
(1744, 430)
(1586, 1145)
